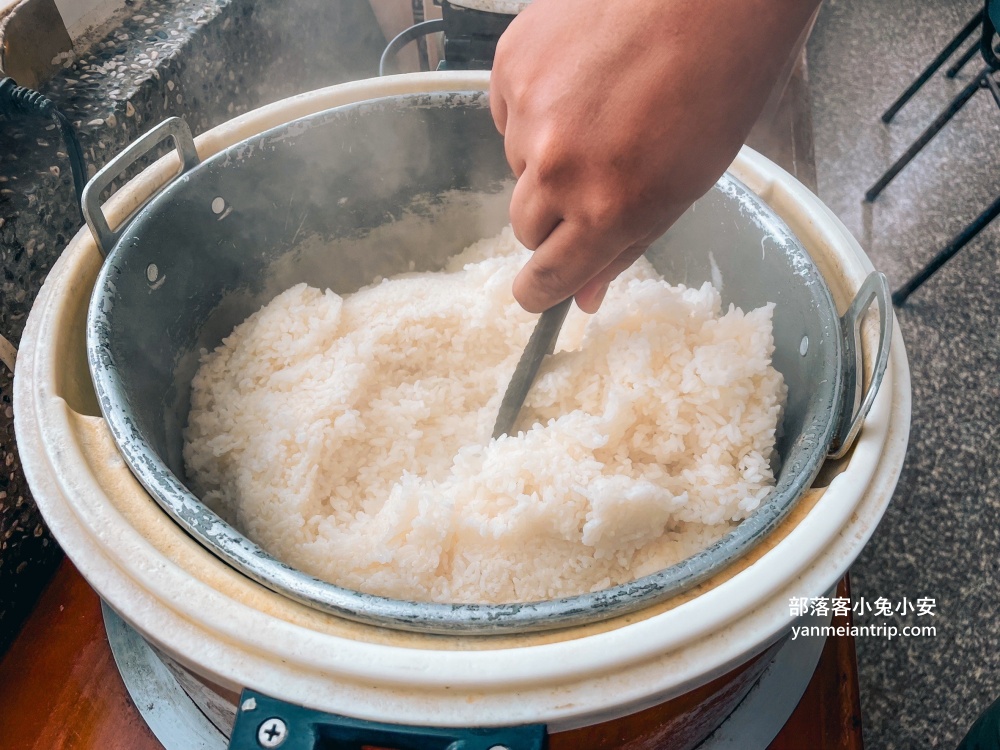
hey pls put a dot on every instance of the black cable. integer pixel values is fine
(21, 100)
(416, 31)
(75, 153)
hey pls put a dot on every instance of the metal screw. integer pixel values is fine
(218, 205)
(152, 273)
(499, 747)
(272, 733)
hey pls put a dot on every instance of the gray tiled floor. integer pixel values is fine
(941, 535)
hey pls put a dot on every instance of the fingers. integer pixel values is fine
(563, 263)
(500, 111)
(591, 295)
(531, 215)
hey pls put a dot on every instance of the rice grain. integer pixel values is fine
(350, 436)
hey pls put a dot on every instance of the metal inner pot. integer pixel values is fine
(364, 190)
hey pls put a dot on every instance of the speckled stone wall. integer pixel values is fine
(204, 60)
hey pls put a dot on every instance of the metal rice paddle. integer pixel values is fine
(542, 342)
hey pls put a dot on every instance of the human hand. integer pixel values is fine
(617, 115)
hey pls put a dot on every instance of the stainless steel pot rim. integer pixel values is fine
(243, 554)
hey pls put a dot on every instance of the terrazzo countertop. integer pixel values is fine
(204, 60)
(27, 552)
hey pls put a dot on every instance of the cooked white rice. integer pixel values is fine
(350, 436)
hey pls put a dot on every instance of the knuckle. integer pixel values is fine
(551, 160)
(546, 169)
(501, 55)
(515, 88)
(605, 210)
(522, 232)
(514, 158)
(499, 112)
(551, 280)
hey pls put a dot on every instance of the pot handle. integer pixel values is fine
(93, 212)
(263, 722)
(855, 401)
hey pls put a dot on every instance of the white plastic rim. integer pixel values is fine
(567, 680)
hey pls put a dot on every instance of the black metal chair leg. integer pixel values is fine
(947, 253)
(936, 63)
(990, 83)
(966, 56)
(952, 109)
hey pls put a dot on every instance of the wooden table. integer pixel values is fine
(60, 688)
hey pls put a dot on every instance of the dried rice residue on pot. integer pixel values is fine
(350, 436)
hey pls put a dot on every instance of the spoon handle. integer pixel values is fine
(542, 342)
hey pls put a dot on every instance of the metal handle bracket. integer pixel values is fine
(856, 401)
(264, 722)
(93, 212)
